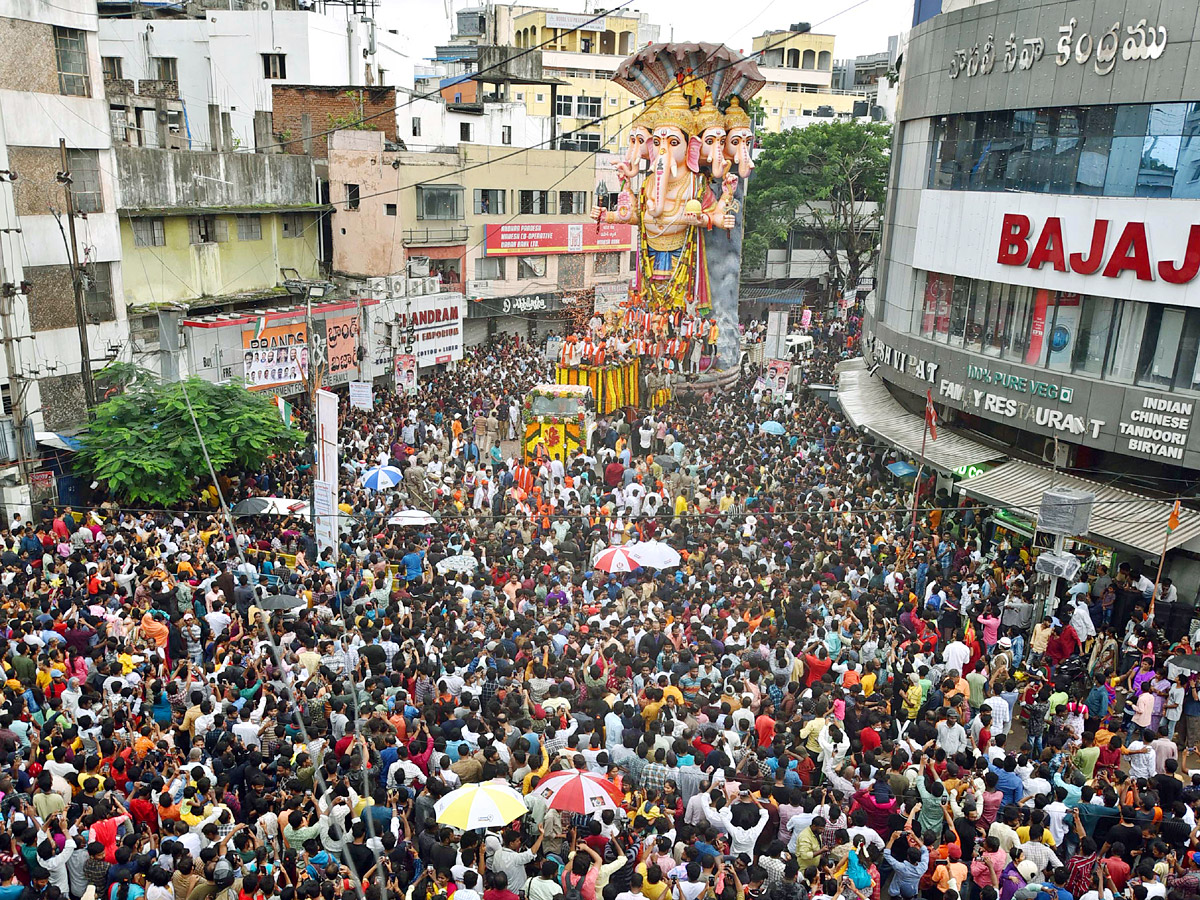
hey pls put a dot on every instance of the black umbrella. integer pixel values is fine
(254, 506)
(273, 602)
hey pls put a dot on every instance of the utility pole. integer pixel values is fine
(16, 381)
(85, 366)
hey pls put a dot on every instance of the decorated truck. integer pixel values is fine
(559, 420)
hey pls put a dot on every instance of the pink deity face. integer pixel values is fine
(674, 144)
(737, 149)
(713, 140)
(639, 144)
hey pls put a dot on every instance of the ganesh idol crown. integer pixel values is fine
(683, 179)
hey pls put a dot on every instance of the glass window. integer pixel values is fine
(489, 201)
(1160, 345)
(249, 227)
(960, 299)
(439, 202)
(85, 181)
(935, 320)
(535, 202)
(70, 50)
(1188, 375)
(984, 294)
(1016, 334)
(166, 68)
(97, 292)
(572, 203)
(1095, 327)
(999, 310)
(1127, 342)
(1187, 172)
(529, 267)
(1064, 332)
(489, 268)
(148, 232)
(608, 263)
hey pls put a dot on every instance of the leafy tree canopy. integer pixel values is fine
(144, 446)
(827, 175)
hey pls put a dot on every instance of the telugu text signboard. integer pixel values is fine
(513, 239)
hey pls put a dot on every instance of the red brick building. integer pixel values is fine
(302, 113)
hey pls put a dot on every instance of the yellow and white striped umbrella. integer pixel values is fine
(487, 805)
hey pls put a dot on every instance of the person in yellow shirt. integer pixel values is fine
(811, 732)
(868, 681)
(680, 505)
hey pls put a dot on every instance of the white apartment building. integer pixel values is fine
(52, 91)
(224, 61)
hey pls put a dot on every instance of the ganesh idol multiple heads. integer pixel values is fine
(715, 142)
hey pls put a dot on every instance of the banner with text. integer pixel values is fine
(277, 356)
(512, 239)
(342, 333)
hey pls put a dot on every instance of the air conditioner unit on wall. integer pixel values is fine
(1059, 565)
(397, 285)
(1065, 453)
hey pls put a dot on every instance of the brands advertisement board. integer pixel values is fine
(275, 357)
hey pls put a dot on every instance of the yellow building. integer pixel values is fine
(586, 61)
(177, 257)
(798, 67)
(199, 227)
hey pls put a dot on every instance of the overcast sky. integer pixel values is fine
(863, 29)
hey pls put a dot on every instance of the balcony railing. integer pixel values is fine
(415, 237)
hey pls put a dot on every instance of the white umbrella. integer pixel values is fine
(655, 554)
(616, 559)
(412, 517)
(486, 805)
(463, 562)
(381, 478)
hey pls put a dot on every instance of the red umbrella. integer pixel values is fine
(579, 792)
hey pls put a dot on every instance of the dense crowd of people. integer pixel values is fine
(815, 704)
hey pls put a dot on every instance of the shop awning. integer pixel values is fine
(869, 405)
(1118, 516)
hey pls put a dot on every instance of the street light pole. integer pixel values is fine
(85, 365)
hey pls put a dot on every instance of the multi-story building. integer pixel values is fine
(54, 120)
(798, 67)
(510, 232)
(211, 233)
(1039, 268)
(223, 59)
(591, 111)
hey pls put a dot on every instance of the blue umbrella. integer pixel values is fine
(381, 478)
(772, 427)
(902, 469)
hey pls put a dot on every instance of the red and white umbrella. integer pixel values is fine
(616, 559)
(578, 792)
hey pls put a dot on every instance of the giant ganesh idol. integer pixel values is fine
(675, 209)
(683, 181)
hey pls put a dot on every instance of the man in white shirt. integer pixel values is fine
(957, 655)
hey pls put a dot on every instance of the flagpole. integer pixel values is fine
(912, 538)
(1162, 558)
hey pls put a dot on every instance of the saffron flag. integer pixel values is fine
(930, 415)
(1173, 519)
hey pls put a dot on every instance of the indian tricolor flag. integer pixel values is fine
(259, 327)
(285, 410)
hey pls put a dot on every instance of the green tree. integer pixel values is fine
(144, 446)
(828, 178)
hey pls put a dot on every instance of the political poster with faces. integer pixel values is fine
(275, 357)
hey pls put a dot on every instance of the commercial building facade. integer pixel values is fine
(509, 232)
(1042, 241)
